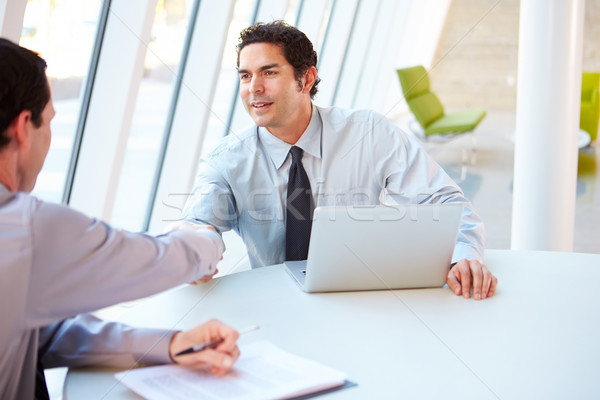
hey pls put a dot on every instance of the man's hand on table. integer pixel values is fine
(471, 274)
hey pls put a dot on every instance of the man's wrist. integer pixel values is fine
(171, 352)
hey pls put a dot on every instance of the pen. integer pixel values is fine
(214, 343)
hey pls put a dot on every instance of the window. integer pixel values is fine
(63, 32)
(151, 112)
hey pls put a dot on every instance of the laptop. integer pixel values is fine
(378, 247)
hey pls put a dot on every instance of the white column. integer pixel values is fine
(11, 19)
(548, 97)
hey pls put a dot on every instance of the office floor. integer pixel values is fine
(488, 183)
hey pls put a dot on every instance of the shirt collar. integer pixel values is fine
(5, 193)
(310, 141)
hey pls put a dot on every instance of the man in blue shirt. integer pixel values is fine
(345, 157)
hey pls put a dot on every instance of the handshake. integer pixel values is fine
(188, 226)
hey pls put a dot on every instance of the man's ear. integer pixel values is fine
(19, 129)
(310, 76)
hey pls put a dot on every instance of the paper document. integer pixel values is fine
(263, 371)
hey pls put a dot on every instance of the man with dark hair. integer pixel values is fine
(265, 182)
(297, 49)
(24, 87)
(56, 263)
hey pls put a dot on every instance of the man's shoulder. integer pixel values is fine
(23, 208)
(235, 143)
(18, 202)
(343, 116)
(347, 120)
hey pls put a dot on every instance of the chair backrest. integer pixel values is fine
(423, 103)
(590, 81)
(590, 103)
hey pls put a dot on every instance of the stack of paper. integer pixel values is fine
(263, 371)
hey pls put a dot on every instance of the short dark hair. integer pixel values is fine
(297, 48)
(23, 85)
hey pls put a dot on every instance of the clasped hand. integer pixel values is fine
(185, 225)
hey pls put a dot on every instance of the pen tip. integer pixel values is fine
(249, 329)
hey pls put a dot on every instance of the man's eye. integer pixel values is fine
(244, 76)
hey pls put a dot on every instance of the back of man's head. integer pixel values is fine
(23, 86)
(297, 48)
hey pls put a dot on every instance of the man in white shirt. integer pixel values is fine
(56, 263)
(344, 157)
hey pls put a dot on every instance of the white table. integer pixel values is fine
(537, 338)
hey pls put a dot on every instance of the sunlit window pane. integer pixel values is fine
(151, 111)
(63, 32)
(226, 92)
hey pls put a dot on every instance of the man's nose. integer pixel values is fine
(256, 85)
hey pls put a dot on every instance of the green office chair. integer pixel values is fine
(428, 110)
(590, 104)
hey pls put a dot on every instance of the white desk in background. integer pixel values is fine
(537, 338)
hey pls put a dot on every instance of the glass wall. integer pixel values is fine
(63, 32)
(143, 133)
(161, 65)
(227, 87)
